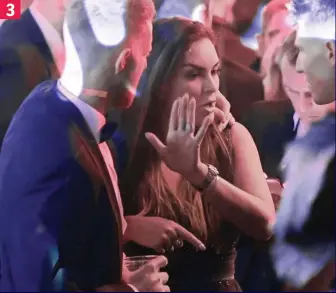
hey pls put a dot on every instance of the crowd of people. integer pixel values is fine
(136, 128)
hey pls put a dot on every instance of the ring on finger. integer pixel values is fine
(178, 243)
(188, 127)
(172, 248)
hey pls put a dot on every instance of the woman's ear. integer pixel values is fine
(330, 45)
(122, 60)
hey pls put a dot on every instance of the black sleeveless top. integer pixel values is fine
(208, 271)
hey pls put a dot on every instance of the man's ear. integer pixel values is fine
(330, 45)
(122, 60)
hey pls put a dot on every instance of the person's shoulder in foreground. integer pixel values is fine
(304, 232)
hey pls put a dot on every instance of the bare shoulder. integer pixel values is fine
(240, 135)
(243, 145)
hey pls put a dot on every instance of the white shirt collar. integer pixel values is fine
(94, 119)
(296, 120)
(52, 37)
(300, 128)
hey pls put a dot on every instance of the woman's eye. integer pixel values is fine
(192, 75)
(216, 71)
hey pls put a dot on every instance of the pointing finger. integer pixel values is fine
(185, 235)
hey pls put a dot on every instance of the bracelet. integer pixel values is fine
(209, 178)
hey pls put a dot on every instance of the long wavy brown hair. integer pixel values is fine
(143, 185)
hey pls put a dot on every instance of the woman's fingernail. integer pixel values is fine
(202, 247)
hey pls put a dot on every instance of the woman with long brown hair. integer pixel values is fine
(215, 209)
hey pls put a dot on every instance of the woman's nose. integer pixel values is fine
(211, 84)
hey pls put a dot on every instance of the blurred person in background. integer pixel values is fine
(25, 4)
(273, 22)
(31, 51)
(272, 76)
(238, 82)
(275, 29)
(304, 248)
(273, 124)
(231, 19)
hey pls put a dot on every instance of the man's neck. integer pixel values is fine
(89, 96)
(332, 107)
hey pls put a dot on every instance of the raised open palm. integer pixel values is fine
(181, 152)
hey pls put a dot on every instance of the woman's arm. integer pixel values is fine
(247, 202)
(253, 214)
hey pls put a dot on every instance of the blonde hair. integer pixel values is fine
(283, 47)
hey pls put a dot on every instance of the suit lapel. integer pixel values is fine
(87, 153)
(90, 157)
(288, 127)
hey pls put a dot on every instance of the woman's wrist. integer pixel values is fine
(197, 176)
(128, 232)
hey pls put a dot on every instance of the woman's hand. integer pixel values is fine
(276, 190)
(223, 116)
(159, 234)
(182, 150)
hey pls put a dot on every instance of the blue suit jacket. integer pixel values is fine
(56, 201)
(25, 62)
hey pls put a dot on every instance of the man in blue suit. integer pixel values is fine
(60, 207)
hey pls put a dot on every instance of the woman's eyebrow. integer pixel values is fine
(198, 67)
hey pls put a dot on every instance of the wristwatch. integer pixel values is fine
(211, 176)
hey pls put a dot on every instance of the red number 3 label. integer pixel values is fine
(10, 9)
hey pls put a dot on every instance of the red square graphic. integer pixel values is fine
(10, 9)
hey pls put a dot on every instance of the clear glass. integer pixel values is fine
(134, 263)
